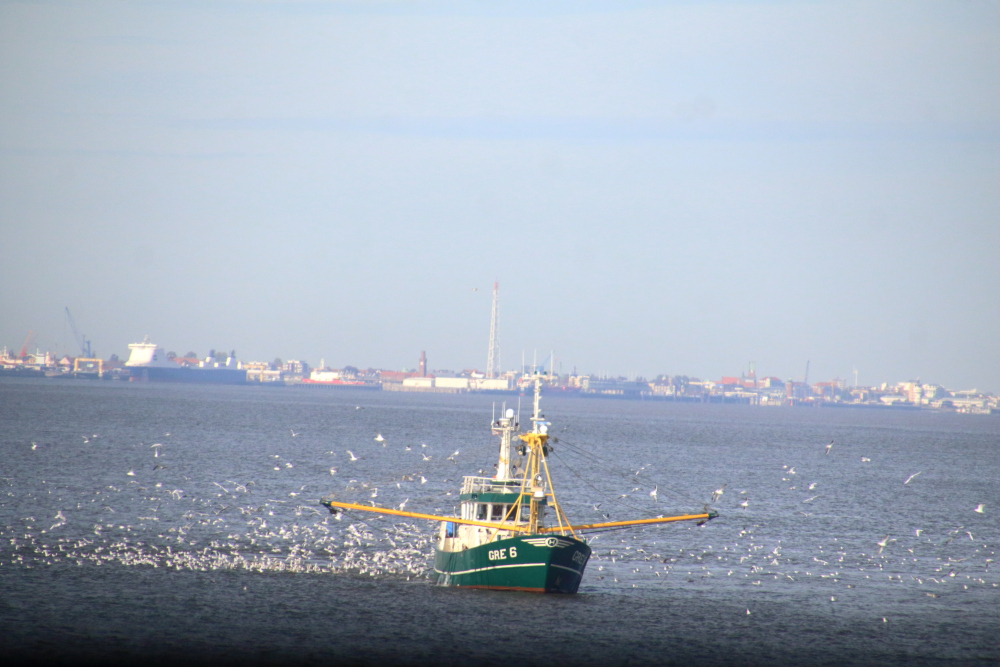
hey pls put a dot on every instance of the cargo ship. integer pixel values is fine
(147, 363)
(511, 533)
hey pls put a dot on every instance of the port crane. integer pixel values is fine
(81, 340)
(24, 346)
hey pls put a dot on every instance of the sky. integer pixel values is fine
(659, 187)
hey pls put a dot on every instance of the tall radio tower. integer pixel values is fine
(493, 358)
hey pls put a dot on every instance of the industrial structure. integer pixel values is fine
(493, 358)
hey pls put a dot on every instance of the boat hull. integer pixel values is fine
(535, 563)
(184, 374)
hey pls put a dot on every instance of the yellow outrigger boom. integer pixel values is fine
(633, 522)
(516, 528)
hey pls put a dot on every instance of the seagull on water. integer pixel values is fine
(379, 438)
(745, 503)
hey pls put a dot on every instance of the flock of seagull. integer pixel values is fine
(153, 516)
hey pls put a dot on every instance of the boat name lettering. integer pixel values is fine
(501, 554)
(578, 557)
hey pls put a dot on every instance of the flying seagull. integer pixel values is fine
(718, 492)
(979, 508)
(910, 478)
(829, 447)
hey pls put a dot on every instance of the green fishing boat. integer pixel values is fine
(511, 533)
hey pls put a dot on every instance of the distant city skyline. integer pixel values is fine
(666, 187)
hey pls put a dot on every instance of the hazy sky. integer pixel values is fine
(659, 187)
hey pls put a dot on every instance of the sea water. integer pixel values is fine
(154, 523)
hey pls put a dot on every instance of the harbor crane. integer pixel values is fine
(81, 340)
(28, 340)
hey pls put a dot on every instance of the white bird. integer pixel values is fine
(718, 492)
(918, 531)
(408, 448)
(403, 504)
(423, 480)
(813, 485)
(333, 471)
(293, 432)
(809, 500)
(379, 438)
(351, 454)
(653, 492)
(745, 503)
(885, 541)
(131, 473)
(791, 471)
(979, 508)
(425, 457)
(910, 478)
(829, 447)
(34, 445)
(452, 457)
(865, 459)
(375, 492)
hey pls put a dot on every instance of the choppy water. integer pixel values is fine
(212, 545)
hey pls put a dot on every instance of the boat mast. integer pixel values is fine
(504, 427)
(535, 441)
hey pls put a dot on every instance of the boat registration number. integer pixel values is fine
(501, 554)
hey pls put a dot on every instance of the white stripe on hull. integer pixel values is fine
(501, 567)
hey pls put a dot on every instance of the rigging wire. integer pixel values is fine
(625, 475)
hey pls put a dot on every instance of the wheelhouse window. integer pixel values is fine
(481, 512)
(497, 512)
